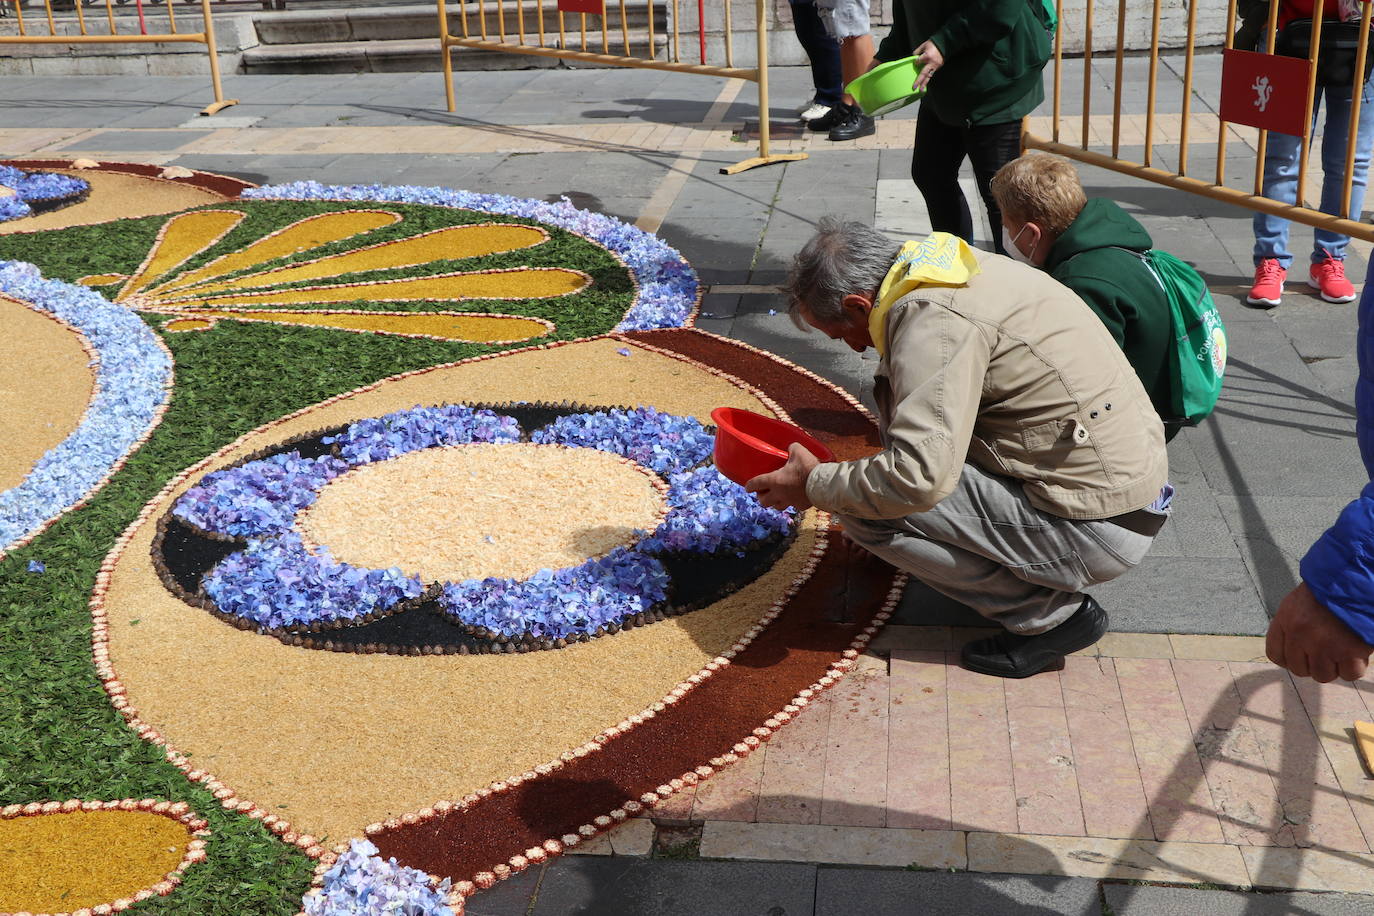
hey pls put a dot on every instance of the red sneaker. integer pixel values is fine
(1268, 288)
(1328, 277)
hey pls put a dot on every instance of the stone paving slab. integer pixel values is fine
(1171, 901)
(511, 897)
(635, 887)
(902, 893)
(138, 140)
(939, 849)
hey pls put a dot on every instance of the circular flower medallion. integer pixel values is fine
(469, 529)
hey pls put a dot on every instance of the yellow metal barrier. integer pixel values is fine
(542, 39)
(1108, 154)
(86, 36)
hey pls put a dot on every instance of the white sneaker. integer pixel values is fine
(812, 111)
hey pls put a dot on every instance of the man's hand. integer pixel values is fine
(1310, 641)
(930, 59)
(787, 485)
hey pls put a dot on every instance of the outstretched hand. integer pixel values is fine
(930, 59)
(787, 485)
(1310, 641)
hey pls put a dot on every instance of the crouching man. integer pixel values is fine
(1022, 460)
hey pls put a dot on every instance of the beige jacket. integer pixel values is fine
(1016, 374)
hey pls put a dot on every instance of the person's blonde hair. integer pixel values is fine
(1040, 188)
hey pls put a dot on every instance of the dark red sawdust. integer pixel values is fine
(218, 184)
(820, 622)
(813, 406)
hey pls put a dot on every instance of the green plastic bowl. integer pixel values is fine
(886, 87)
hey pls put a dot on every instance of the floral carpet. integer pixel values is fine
(378, 551)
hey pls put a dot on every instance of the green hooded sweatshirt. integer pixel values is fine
(994, 51)
(1120, 289)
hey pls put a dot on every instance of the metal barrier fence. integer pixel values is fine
(89, 32)
(91, 35)
(1177, 133)
(129, 7)
(569, 29)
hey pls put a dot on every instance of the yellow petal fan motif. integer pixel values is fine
(238, 286)
(183, 236)
(304, 235)
(476, 328)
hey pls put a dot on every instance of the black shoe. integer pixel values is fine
(1009, 655)
(856, 125)
(830, 119)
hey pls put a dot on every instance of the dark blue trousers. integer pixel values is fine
(821, 49)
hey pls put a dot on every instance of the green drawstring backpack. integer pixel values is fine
(1197, 359)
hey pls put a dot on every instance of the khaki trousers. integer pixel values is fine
(987, 547)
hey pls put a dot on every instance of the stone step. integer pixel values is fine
(421, 54)
(300, 27)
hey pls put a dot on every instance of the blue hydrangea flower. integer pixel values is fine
(708, 512)
(362, 883)
(383, 438)
(661, 442)
(34, 187)
(555, 604)
(277, 583)
(13, 207)
(132, 377)
(668, 286)
(257, 498)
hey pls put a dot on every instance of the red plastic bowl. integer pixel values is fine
(749, 444)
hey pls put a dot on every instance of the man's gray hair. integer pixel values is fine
(843, 257)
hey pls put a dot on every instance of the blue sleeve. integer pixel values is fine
(1364, 388)
(1339, 569)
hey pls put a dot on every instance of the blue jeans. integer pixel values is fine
(1281, 175)
(822, 50)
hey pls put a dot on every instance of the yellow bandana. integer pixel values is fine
(940, 260)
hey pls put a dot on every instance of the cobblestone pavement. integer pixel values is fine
(1174, 754)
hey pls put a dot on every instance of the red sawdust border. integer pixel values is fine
(206, 181)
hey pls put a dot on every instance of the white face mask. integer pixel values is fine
(1009, 243)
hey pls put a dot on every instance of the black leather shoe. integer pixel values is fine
(1009, 655)
(856, 125)
(830, 119)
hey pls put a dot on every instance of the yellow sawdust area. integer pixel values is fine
(45, 387)
(188, 324)
(102, 279)
(336, 741)
(56, 863)
(311, 232)
(524, 283)
(474, 328)
(454, 242)
(181, 238)
(475, 511)
(115, 196)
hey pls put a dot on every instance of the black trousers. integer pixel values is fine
(940, 151)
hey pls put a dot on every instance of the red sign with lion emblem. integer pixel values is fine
(1267, 91)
